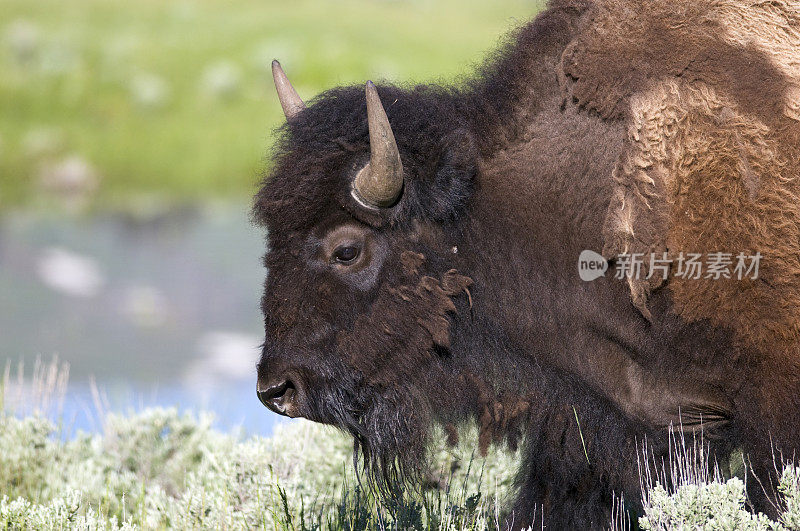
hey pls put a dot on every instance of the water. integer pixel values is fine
(159, 310)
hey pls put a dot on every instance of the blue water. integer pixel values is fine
(160, 309)
(235, 407)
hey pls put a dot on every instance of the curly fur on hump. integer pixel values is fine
(711, 161)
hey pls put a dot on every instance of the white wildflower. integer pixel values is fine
(222, 80)
(23, 39)
(149, 91)
(72, 175)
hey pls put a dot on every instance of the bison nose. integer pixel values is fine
(279, 398)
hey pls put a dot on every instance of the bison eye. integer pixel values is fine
(346, 254)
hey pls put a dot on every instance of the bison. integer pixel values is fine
(424, 244)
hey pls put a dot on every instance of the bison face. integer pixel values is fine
(361, 291)
(311, 292)
(358, 331)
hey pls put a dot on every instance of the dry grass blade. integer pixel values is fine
(42, 394)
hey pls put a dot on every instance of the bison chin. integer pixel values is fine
(390, 430)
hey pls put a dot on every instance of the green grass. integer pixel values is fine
(175, 97)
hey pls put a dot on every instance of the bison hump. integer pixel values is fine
(709, 92)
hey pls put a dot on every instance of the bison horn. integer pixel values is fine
(290, 100)
(379, 183)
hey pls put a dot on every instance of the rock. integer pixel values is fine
(70, 273)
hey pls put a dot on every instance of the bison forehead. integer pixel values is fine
(319, 153)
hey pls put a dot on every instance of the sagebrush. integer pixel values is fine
(163, 469)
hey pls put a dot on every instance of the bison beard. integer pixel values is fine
(392, 446)
(612, 125)
(392, 430)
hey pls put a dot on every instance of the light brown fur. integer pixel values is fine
(710, 163)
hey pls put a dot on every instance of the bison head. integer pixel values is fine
(363, 287)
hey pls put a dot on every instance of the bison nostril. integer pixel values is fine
(278, 397)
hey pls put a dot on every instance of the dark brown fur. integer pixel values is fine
(612, 125)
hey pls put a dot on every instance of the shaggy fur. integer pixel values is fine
(613, 125)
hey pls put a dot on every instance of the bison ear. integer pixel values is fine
(447, 192)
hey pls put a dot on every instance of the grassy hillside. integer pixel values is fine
(129, 98)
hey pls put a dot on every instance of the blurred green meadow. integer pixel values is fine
(112, 101)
